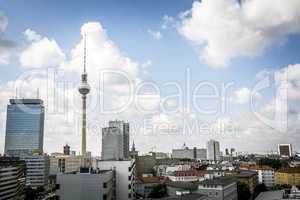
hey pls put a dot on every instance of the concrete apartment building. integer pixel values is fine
(37, 170)
(12, 178)
(94, 185)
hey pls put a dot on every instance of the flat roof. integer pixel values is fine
(289, 170)
(223, 181)
(186, 197)
(271, 195)
(183, 185)
(26, 101)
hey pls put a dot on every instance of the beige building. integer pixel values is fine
(60, 163)
(289, 176)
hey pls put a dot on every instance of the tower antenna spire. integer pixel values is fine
(84, 54)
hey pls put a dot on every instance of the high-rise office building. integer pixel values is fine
(213, 150)
(115, 141)
(24, 127)
(285, 150)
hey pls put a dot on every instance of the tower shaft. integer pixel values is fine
(83, 127)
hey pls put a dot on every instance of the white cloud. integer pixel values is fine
(6, 46)
(244, 95)
(223, 29)
(102, 54)
(62, 106)
(155, 34)
(42, 52)
(167, 22)
(32, 35)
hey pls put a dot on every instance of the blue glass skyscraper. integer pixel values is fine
(24, 127)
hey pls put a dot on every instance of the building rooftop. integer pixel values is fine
(183, 185)
(245, 174)
(271, 195)
(10, 161)
(152, 179)
(26, 101)
(223, 181)
(289, 170)
(186, 197)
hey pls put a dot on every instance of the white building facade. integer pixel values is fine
(124, 175)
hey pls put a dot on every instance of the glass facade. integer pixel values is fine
(24, 127)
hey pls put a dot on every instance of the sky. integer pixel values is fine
(179, 71)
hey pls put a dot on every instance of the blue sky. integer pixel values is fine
(129, 23)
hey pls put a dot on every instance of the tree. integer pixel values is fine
(243, 191)
(30, 193)
(274, 163)
(259, 188)
(158, 191)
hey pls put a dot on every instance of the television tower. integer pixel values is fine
(84, 89)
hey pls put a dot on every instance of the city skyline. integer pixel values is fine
(167, 72)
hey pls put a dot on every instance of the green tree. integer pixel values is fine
(158, 191)
(243, 191)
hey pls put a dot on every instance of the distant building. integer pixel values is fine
(213, 150)
(124, 176)
(145, 164)
(95, 185)
(115, 141)
(24, 127)
(37, 170)
(12, 178)
(285, 150)
(60, 163)
(288, 176)
(224, 188)
(66, 149)
(186, 153)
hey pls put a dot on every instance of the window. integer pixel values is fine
(129, 195)
(104, 185)
(129, 186)
(104, 197)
